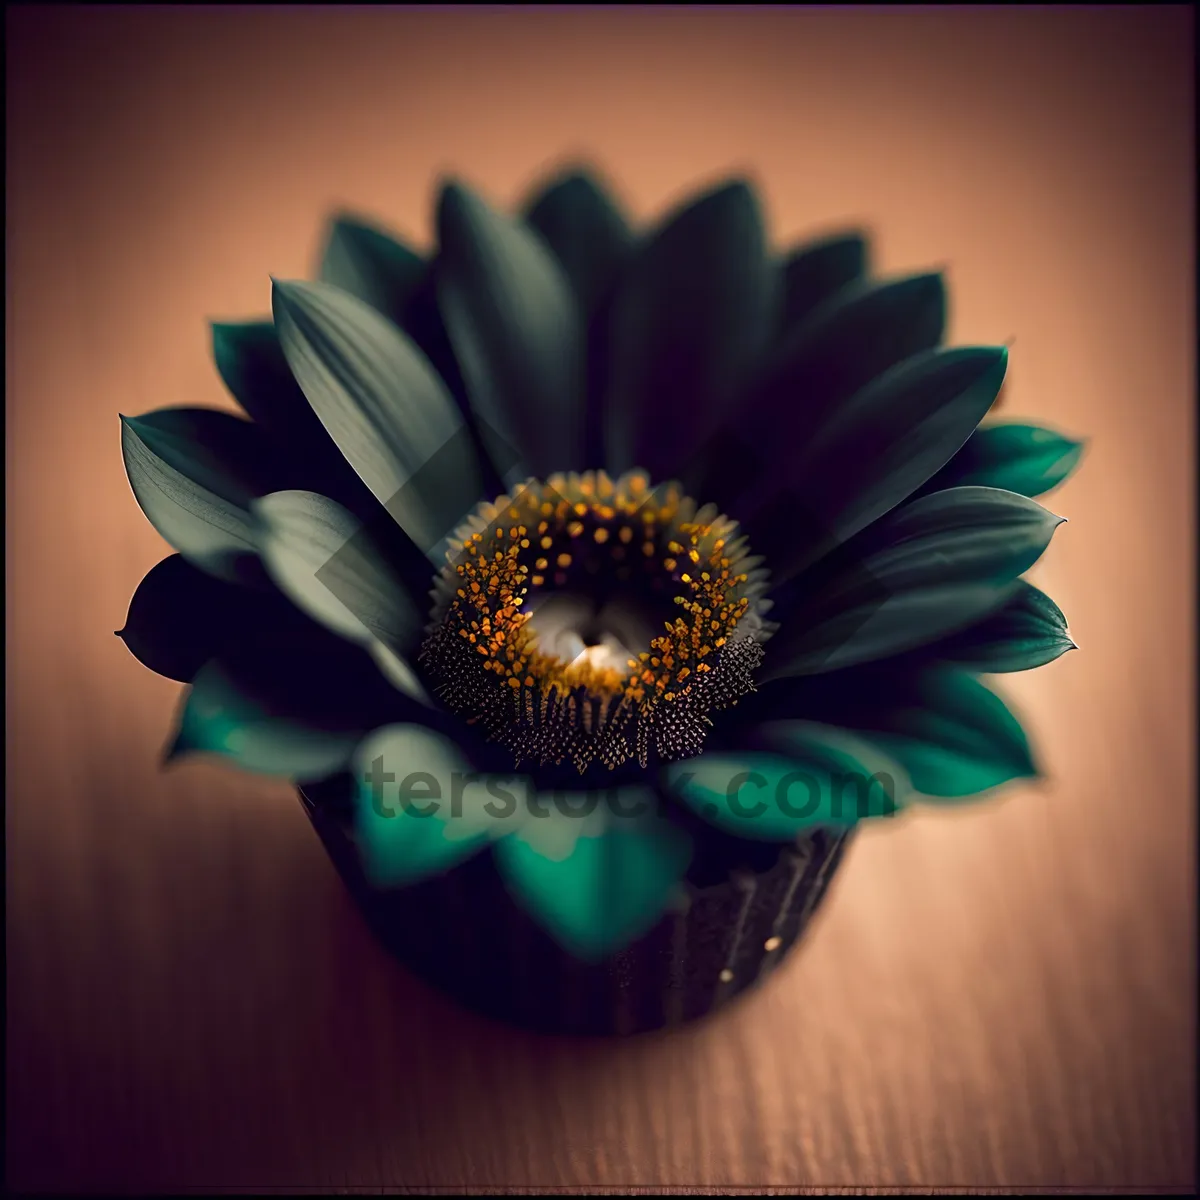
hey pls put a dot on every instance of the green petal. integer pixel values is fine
(289, 706)
(596, 880)
(816, 271)
(383, 405)
(251, 364)
(586, 230)
(1029, 631)
(951, 735)
(330, 566)
(180, 617)
(691, 316)
(937, 565)
(808, 775)
(515, 326)
(419, 807)
(1026, 459)
(371, 265)
(876, 450)
(954, 736)
(194, 472)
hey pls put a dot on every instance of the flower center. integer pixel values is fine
(589, 619)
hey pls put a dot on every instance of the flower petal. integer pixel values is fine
(953, 736)
(937, 565)
(331, 567)
(588, 233)
(193, 472)
(808, 775)
(874, 452)
(381, 271)
(180, 617)
(292, 706)
(691, 317)
(371, 265)
(596, 875)
(418, 805)
(384, 406)
(1029, 631)
(817, 270)
(1026, 459)
(515, 326)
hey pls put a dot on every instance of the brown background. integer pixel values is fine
(1000, 996)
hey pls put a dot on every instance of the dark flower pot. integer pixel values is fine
(462, 933)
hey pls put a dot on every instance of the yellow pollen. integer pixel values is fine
(613, 702)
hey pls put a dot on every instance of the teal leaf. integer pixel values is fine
(516, 328)
(1026, 459)
(419, 808)
(804, 775)
(879, 447)
(599, 878)
(194, 472)
(332, 569)
(588, 233)
(926, 570)
(180, 617)
(1029, 631)
(290, 705)
(383, 405)
(371, 265)
(690, 318)
(815, 271)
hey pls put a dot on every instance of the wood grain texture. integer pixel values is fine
(996, 997)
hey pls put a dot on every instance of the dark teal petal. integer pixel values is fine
(927, 570)
(848, 341)
(180, 617)
(515, 326)
(953, 736)
(419, 809)
(691, 317)
(384, 406)
(251, 364)
(194, 472)
(292, 705)
(330, 566)
(816, 271)
(1025, 459)
(372, 265)
(874, 452)
(806, 775)
(1029, 631)
(595, 874)
(588, 233)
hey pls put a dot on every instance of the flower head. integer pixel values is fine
(576, 542)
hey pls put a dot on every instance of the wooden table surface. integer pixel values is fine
(999, 996)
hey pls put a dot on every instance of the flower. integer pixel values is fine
(575, 542)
